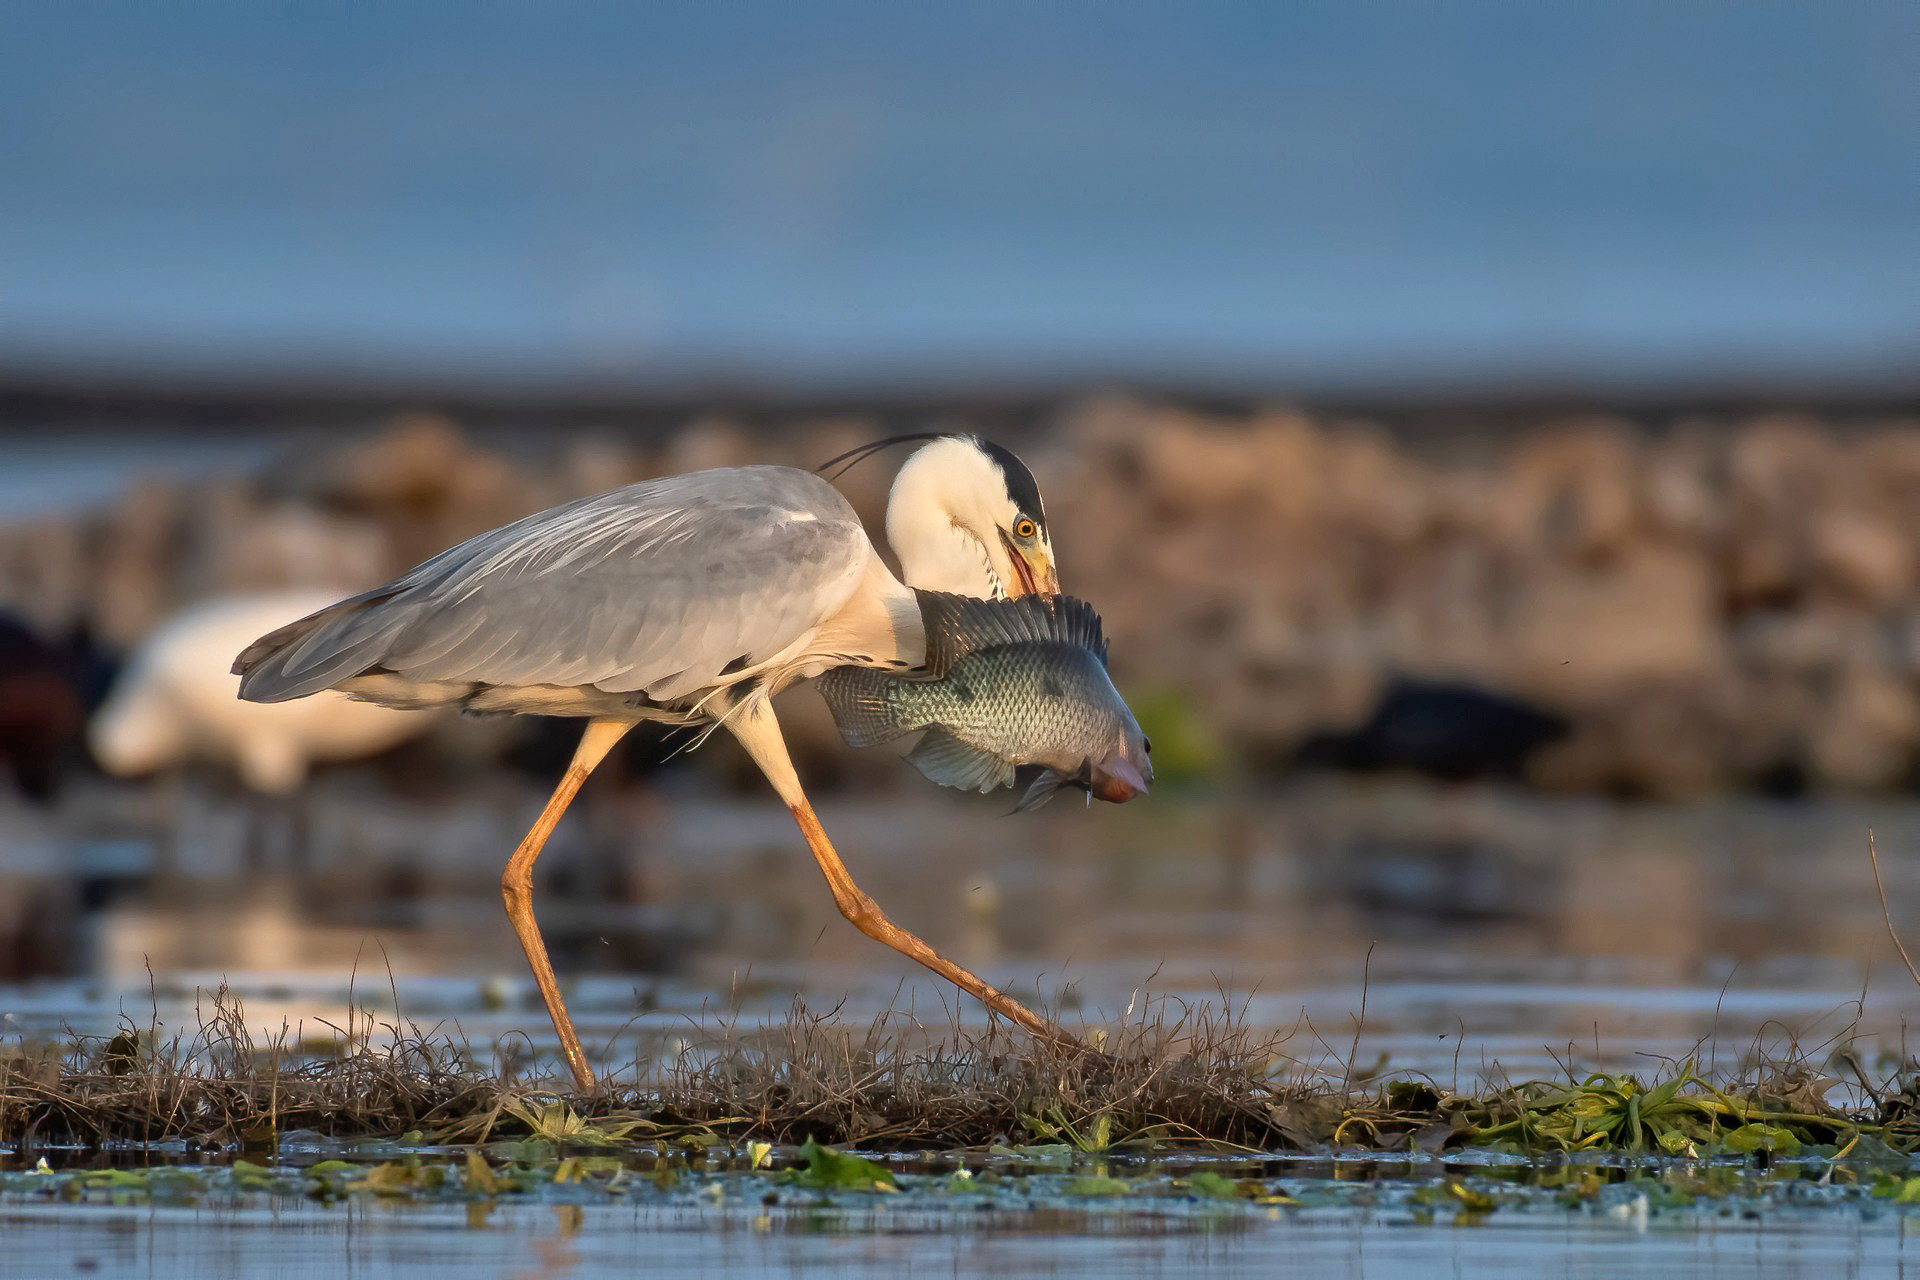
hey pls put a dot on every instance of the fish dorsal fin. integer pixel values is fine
(959, 625)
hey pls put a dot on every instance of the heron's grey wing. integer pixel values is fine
(664, 587)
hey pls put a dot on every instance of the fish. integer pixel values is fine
(1007, 685)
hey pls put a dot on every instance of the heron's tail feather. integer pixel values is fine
(319, 651)
(857, 696)
(950, 762)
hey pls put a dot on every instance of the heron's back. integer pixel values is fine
(654, 590)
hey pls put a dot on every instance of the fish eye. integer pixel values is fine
(1023, 528)
(1146, 744)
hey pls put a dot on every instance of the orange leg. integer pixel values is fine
(760, 734)
(867, 917)
(516, 886)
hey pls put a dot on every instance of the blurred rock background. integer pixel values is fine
(1709, 603)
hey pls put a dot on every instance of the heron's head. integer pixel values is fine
(965, 517)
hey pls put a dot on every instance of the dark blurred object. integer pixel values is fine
(544, 746)
(43, 709)
(1446, 730)
(1441, 881)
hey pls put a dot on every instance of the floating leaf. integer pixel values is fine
(830, 1170)
(1097, 1187)
(480, 1175)
(327, 1168)
(1211, 1185)
(249, 1176)
(1751, 1138)
(1471, 1201)
(387, 1180)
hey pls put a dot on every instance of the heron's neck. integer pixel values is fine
(938, 555)
(880, 623)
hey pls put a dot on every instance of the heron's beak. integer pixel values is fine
(1035, 570)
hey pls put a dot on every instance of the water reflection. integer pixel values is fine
(294, 1241)
(1486, 924)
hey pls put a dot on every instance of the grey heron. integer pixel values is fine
(689, 599)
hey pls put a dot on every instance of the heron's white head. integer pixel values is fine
(965, 516)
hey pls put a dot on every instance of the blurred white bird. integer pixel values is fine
(175, 702)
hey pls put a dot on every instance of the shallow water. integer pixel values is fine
(1484, 933)
(1393, 1221)
(427, 1243)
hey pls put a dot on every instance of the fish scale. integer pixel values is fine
(1008, 683)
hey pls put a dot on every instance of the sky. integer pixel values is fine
(829, 192)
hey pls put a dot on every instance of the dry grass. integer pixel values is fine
(1182, 1073)
(218, 1086)
(1177, 1075)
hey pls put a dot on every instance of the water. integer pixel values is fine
(296, 1242)
(1485, 933)
(1614, 191)
(49, 474)
(1387, 1223)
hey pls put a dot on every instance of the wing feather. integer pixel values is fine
(655, 587)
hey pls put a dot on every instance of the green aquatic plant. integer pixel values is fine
(1683, 1115)
(1209, 1185)
(1097, 1187)
(560, 1124)
(1053, 1127)
(828, 1170)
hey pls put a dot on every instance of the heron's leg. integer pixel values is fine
(516, 885)
(759, 733)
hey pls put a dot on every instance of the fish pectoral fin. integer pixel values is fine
(1044, 786)
(950, 762)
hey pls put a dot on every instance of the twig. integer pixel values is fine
(1886, 913)
(1360, 1022)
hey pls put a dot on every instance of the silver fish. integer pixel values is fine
(1008, 684)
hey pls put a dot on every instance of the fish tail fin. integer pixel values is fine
(857, 696)
(950, 762)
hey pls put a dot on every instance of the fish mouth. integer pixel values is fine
(1115, 780)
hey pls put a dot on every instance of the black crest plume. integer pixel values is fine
(860, 453)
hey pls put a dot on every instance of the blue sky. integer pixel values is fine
(1310, 191)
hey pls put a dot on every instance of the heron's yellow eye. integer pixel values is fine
(1023, 528)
